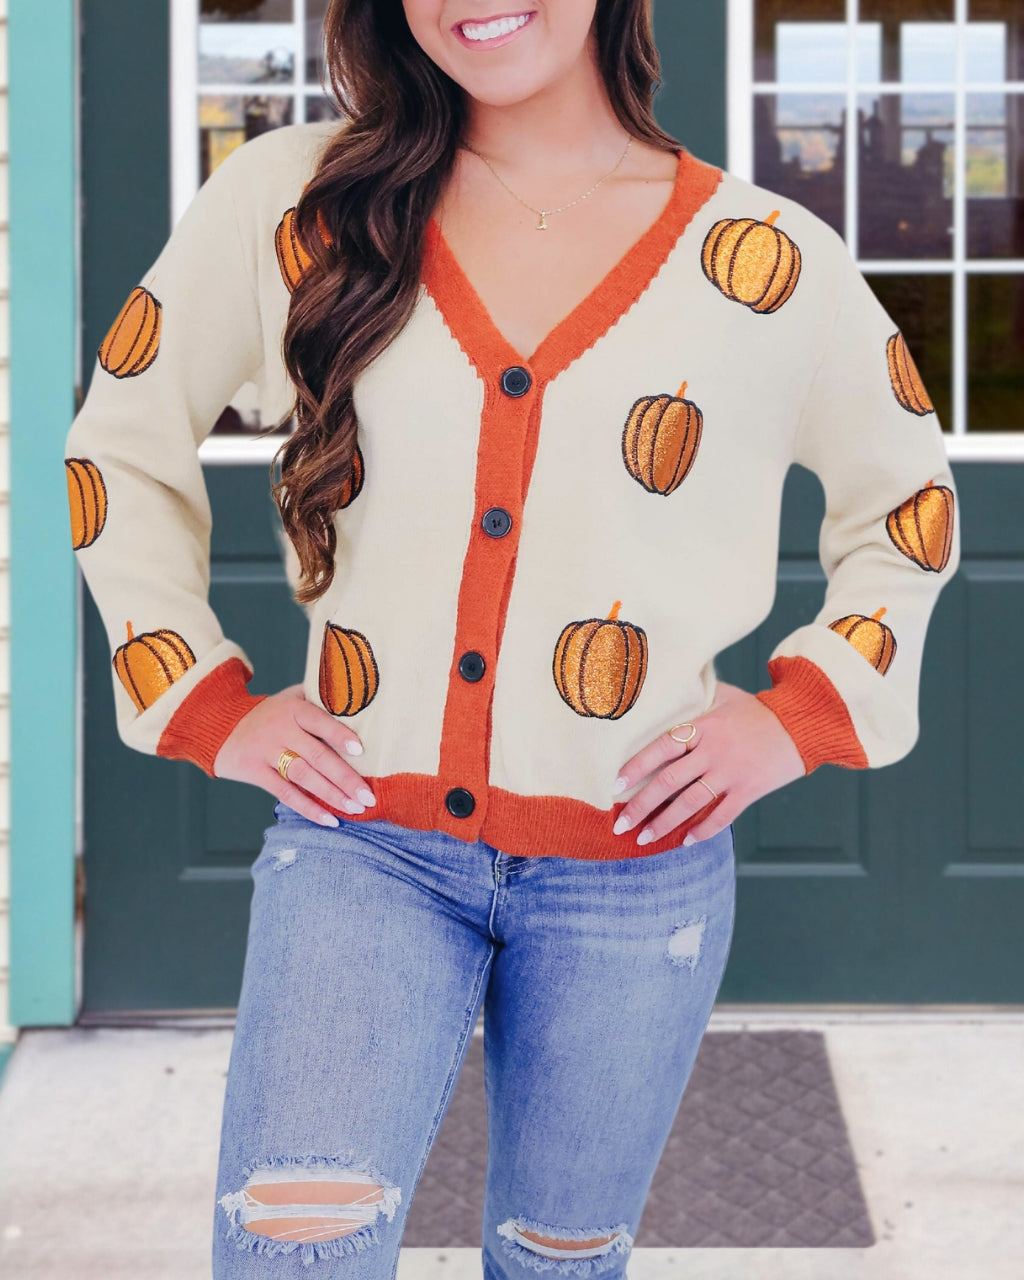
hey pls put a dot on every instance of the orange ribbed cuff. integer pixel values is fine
(199, 726)
(813, 713)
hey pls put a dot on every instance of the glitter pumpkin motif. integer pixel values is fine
(869, 637)
(353, 482)
(660, 440)
(292, 257)
(907, 385)
(149, 663)
(600, 664)
(348, 671)
(133, 341)
(922, 527)
(752, 262)
(87, 501)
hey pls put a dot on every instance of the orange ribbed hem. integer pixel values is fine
(524, 826)
(813, 713)
(202, 722)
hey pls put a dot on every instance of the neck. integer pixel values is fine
(568, 130)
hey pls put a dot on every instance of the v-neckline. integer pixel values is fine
(473, 327)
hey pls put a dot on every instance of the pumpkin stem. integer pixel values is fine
(771, 217)
(878, 613)
(929, 484)
(613, 616)
(679, 393)
(131, 633)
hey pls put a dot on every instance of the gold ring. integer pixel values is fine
(284, 760)
(686, 724)
(709, 787)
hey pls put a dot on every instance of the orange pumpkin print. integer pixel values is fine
(660, 440)
(133, 341)
(292, 257)
(922, 527)
(348, 671)
(600, 664)
(868, 636)
(752, 262)
(87, 501)
(149, 663)
(907, 385)
(354, 482)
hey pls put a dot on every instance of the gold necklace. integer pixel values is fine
(543, 225)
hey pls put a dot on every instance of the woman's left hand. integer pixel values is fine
(740, 749)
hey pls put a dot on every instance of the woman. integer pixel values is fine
(532, 490)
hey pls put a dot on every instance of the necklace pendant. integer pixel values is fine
(542, 225)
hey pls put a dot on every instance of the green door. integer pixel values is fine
(901, 884)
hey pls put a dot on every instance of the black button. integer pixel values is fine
(471, 665)
(496, 521)
(516, 381)
(459, 802)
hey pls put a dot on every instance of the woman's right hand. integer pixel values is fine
(288, 719)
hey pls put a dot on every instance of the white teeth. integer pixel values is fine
(491, 30)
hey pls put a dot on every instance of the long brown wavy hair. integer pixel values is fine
(362, 220)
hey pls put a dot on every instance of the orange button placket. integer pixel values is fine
(507, 446)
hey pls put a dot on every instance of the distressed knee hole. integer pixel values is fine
(313, 1204)
(579, 1250)
(284, 858)
(684, 945)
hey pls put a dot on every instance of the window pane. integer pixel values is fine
(995, 40)
(995, 352)
(995, 175)
(921, 307)
(246, 11)
(246, 53)
(225, 122)
(798, 149)
(316, 11)
(796, 41)
(320, 108)
(915, 40)
(906, 175)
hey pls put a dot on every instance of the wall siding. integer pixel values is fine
(7, 1032)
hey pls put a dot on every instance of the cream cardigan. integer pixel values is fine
(538, 560)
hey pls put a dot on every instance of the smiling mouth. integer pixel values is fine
(492, 29)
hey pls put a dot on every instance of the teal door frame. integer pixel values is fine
(43, 579)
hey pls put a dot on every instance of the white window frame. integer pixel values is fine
(962, 445)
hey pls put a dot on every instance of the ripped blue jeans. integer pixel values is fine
(371, 949)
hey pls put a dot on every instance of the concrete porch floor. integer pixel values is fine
(108, 1145)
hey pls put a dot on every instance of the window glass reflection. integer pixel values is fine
(797, 41)
(320, 108)
(995, 40)
(995, 352)
(798, 150)
(226, 121)
(922, 308)
(246, 42)
(905, 175)
(914, 41)
(316, 11)
(995, 175)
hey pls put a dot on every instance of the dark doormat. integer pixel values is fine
(758, 1156)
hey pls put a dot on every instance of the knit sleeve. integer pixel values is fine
(846, 685)
(186, 339)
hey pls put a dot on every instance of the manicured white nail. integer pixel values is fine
(352, 806)
(689, 839)
(353, 747)
(330, 819)
(620, 785)
(366, 795)
(645, 836)
(622, 823)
